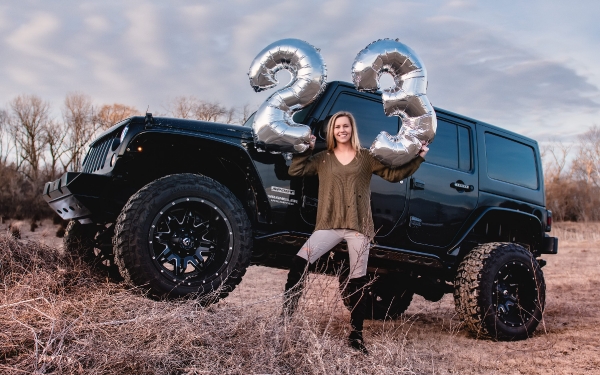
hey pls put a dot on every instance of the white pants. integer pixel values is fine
(322, 241)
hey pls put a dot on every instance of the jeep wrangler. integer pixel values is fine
(183, 207)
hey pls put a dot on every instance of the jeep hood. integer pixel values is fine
(204, 127)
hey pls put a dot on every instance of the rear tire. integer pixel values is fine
(86, 242)
(499, 292)
(79, 239)
(387, 298)
(183, 235)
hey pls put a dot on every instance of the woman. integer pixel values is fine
(343, 212)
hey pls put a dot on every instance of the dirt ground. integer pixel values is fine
(429, 335)
(566, 342)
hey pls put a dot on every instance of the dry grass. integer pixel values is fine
(57, 316)
(576, 232)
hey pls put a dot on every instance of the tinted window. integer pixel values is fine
(369, 115)
(300, 116)
(451, 147)
(510, 161)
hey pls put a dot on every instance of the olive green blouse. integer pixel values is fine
(345, 190)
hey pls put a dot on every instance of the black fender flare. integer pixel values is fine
(209, 154)
(516, 217)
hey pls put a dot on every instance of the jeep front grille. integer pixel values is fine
(96, 156)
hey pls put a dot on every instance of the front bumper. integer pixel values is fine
(80, 196)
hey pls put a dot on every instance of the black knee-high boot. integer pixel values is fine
(294, 285)
(358, 295)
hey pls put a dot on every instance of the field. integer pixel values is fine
(59, 316)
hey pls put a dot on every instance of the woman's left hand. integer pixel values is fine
(423, 151)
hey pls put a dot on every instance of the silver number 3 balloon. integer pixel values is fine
(406, 99)
(273, 126)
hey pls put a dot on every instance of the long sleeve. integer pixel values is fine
(305, 164)
(398, 173)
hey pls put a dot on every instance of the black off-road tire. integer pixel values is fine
(81, 240)
(499, 292)
(387, 297)
(183, 219)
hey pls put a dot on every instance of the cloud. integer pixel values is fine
(105, 71)
(30, 39)
(97, 24)
(482, 75)
(144, 36)
(462, 4)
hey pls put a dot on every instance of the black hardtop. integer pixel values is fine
(508, 133)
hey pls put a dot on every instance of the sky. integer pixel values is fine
(527, 66)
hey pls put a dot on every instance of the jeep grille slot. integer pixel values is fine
(96, 156)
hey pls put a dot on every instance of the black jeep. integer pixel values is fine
(182, 207)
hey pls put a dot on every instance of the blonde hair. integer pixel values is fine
(331, 142)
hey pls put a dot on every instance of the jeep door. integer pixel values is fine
(388, 200)
(444, 190)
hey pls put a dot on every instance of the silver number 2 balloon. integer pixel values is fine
(273, 126)
(407, 99)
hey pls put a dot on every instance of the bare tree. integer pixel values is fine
(245, 114)
(573, 191)
(81, 125)
(183, 107)
(207, 111)
(112, 114)
(229, 116)
(55, 135)
(30, 115)
(191, 107)
(555, 157)
(5, 145)
(587, 162)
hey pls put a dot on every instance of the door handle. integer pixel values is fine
(415, 222)
(416, 184)
(461, 186)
